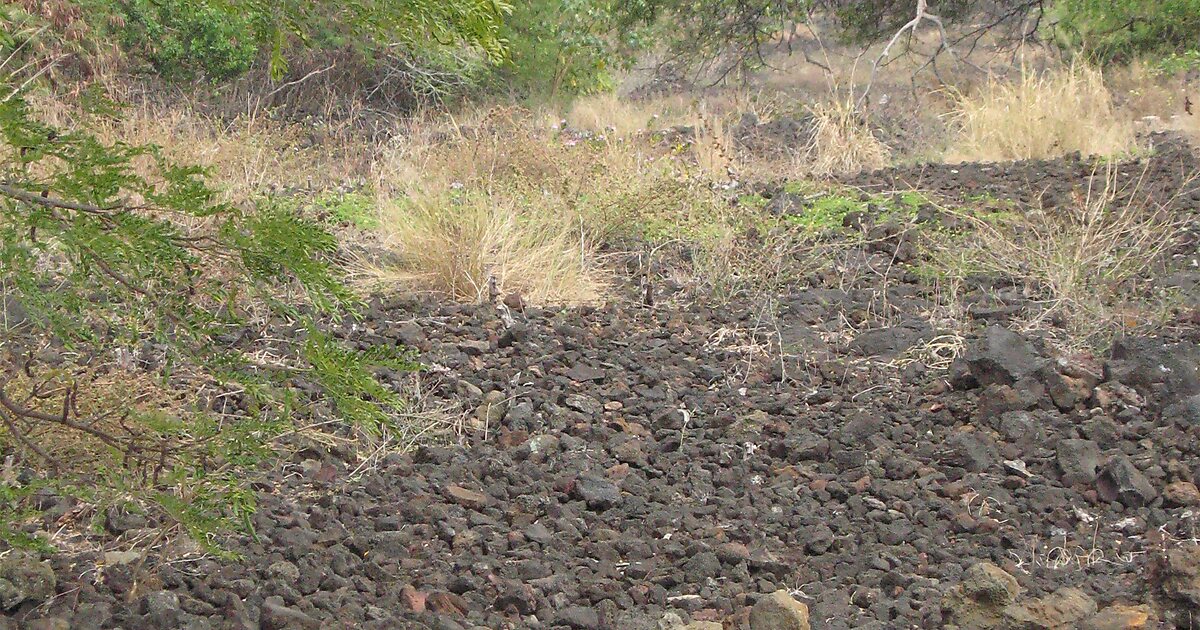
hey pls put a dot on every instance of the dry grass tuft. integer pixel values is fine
(842, 142)
(456, 245)
(610, 114)
(1040, 116)
(470, 200)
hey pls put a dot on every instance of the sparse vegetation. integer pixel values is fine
(210, 209)
(842, 142)
(1087, 263)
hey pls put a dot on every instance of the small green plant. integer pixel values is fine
(355, 209)
(752, 201)
(1086, 264)
(14, 498)
(826, 213)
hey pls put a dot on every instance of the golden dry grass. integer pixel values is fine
(458, 245)
(842, 141)
(245, 157)
(1040, 115)
(466, 204)
(610, 114)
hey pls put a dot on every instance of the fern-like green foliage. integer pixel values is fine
(106, 246)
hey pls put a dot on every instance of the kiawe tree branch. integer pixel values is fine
(910, 26)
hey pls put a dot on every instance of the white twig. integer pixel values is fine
(300, 80)
(922, 14)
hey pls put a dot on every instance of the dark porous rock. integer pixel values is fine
(970, 450)
(409, 334)
(1184, 414)
(1153, 365)
(579, 617)
(56, 623)
(889, 342)
(474, 347)
(785, 204)
(1180, 584)
(818, 539)
(1122, 481)
(517, 598)
(276, 616)
(996, 399)
(581, 372)
(161, 609)
(91, 616)
(12, 313)
(1002, 357)
(1078, 460)
(598, 493)
(584, 404)
(25, 579)
(119, 521)
(894, 239)
(701, 566)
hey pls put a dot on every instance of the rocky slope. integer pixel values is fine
(628, 467)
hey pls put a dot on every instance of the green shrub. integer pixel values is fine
(108, 247)
(1121, 31)
(565, 47)
(183, 39)
(221, 39)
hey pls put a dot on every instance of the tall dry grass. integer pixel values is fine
(470, 201)
(460, 246)
(1040, 115)
(245, 157)
(843, 141)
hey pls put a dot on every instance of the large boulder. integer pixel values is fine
(1168, 370)
(779, 611)
(978, 601)
(1122, 481)
(1001, 357)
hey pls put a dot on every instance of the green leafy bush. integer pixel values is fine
(183, 39)
(221, 39)
(566, 46)
(1120, 31)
